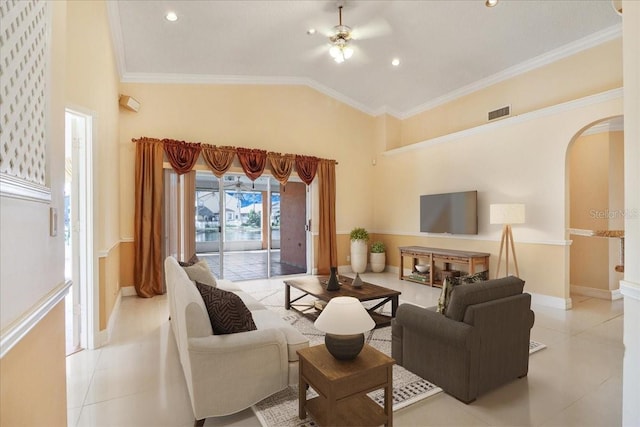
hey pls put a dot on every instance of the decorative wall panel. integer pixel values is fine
(24, 26)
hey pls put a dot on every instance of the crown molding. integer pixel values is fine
(169, 78)
(511, 121)
(569, 49)
(562, 52)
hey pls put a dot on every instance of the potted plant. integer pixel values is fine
(359, 238)
(378, 257)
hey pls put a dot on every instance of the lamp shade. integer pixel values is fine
(344, 316)
(508, 213)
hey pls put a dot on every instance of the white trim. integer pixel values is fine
(126, 240)
(483, 237)
(171, 78)
(605, 127)
(113, 14)
(104, 336)
(549, 301)
(616, 294)
(550, 57)
(17, 188)
(581, 232)
(511, 121)
(23, 325)
(567, 50)
(105, 252)
(606, 294)
(630, 289)
(128, 291)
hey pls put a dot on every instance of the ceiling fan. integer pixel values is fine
(236, 183)
(340, 49)
(341, 36)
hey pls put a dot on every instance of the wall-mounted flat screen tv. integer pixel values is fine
(454, 213)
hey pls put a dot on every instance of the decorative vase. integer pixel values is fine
(378, 262)
(357, 281)
(332, 284)
(358, 256)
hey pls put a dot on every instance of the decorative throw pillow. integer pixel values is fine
(199, 272)
(227, 312)
(451, 282)
(194, 259)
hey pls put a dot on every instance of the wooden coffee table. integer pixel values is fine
(315, 286)
(342, 387)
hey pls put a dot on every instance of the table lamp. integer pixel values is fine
(344, 320)
(507, 214)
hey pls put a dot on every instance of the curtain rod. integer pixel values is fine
(221, 146)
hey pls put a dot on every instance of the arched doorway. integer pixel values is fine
(595, 189)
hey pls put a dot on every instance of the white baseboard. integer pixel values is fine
(128, 291)
(104, 336)
(549, 301)
(588, 291)
(630, 290)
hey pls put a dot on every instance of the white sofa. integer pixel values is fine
(228, 373)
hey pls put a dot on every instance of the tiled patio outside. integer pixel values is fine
(249, 265)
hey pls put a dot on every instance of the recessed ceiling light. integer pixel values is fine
(395, 62)
(311, 31)
(491, 3)
(171, 16)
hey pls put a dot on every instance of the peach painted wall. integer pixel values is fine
(33, 386)
(596, 164)
(109, 273)
(549, 85)
(288, 119)
(522, 160)
(92, 84)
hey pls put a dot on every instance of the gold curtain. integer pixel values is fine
(253, 161)
(327, 247)
(281, 166)
(148, 218)
(219, 159)
(181, 155)
(188, 222)
(306, 166)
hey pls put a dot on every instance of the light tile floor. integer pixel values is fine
(137, 380)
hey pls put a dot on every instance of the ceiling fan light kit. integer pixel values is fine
(340, 49)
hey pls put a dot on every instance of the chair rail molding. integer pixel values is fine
(23, 325)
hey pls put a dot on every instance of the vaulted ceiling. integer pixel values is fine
(446, 48)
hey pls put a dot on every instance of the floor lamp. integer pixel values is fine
(506, 214)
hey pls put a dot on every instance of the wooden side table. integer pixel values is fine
(342, 387)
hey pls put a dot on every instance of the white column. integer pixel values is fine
(630, 286)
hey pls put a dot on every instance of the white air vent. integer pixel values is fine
(500, 112)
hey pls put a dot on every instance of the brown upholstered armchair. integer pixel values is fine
(480, 343)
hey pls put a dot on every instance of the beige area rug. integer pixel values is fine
(281, 409)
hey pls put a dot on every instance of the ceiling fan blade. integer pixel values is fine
(376, 28)
(317, 52)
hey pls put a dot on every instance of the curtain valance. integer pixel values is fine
(281, 166)
(183, 156)
(218, 159)
(307, 166)
(253, 161)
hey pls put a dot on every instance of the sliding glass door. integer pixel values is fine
(238, 226)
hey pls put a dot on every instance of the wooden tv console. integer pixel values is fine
(430, 256)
